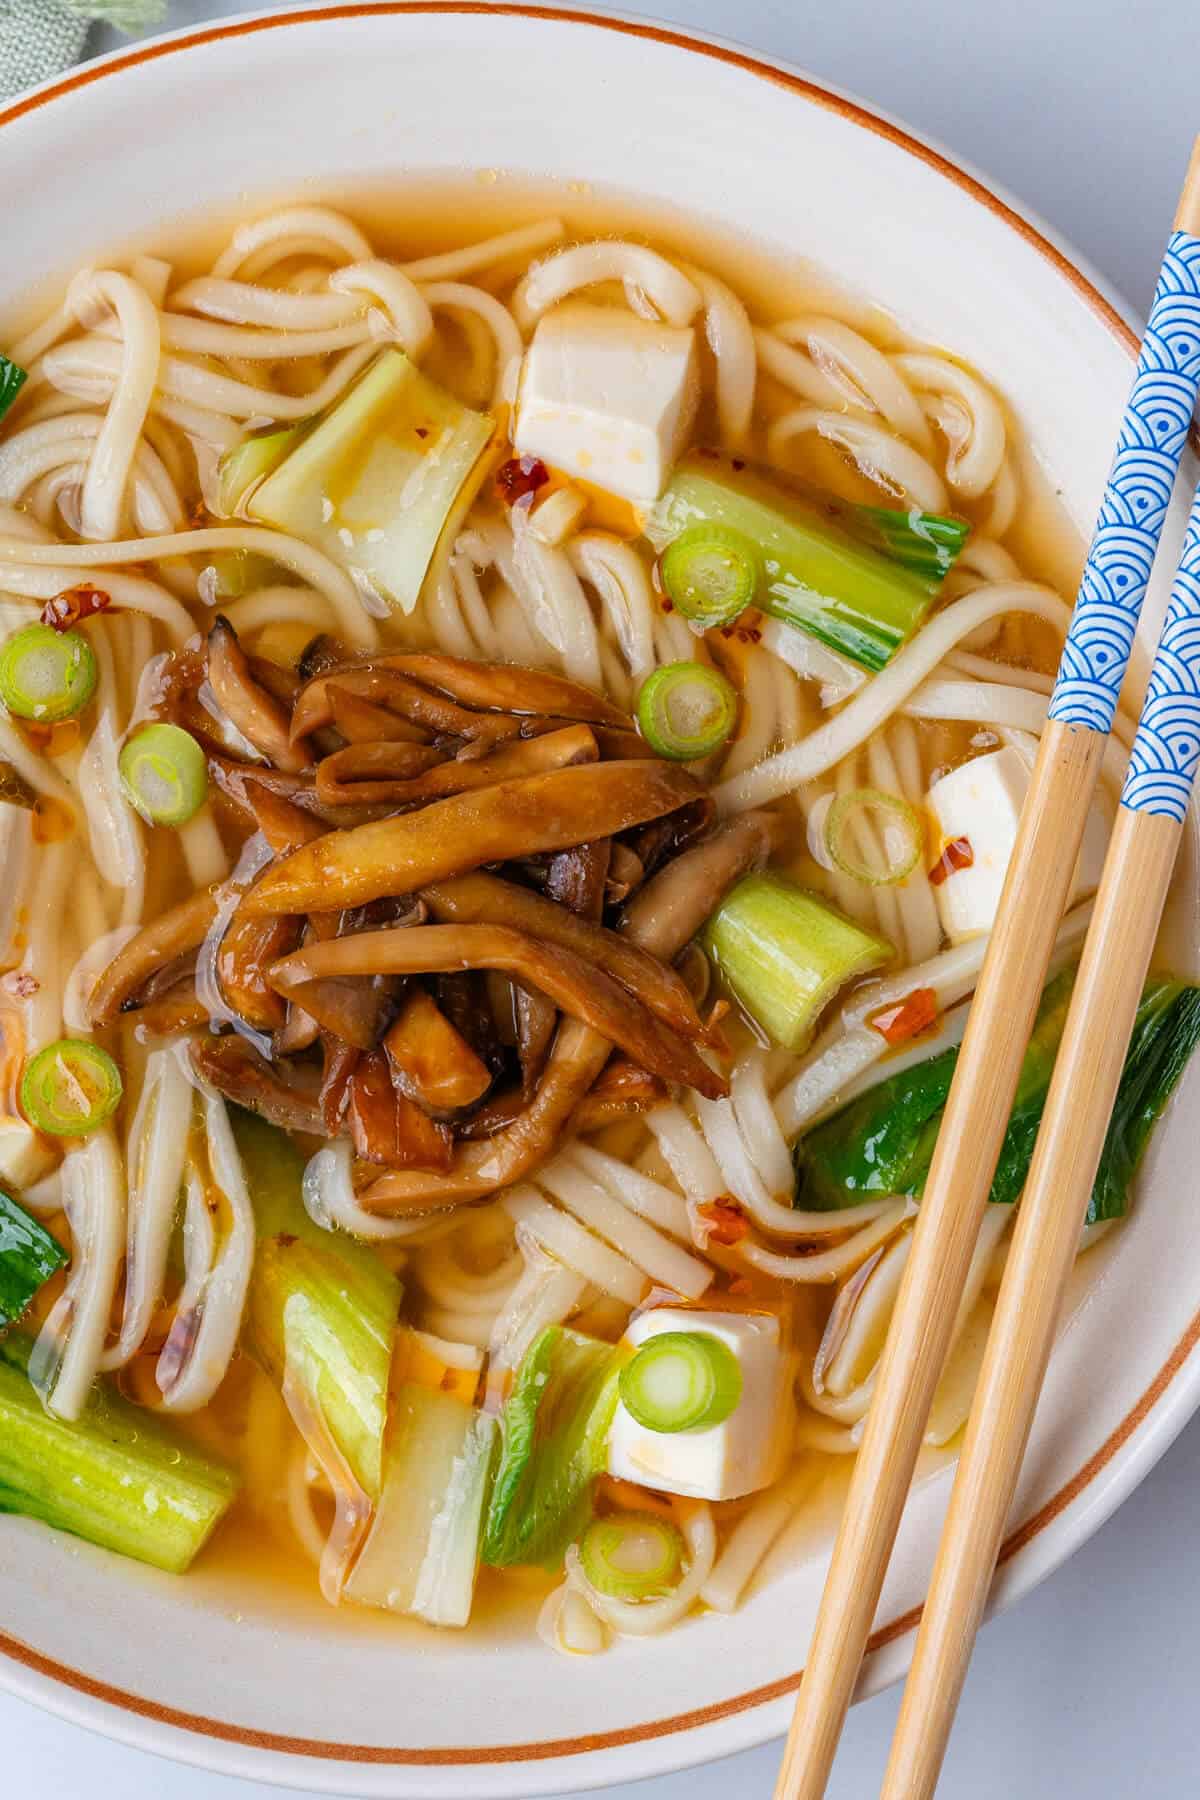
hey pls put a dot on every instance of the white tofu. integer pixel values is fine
(608, 397)
(24, 1156)
(717, 1462)
(981, 801)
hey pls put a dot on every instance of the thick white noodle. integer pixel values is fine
(751, 1539)
(293, 230)
(546, 1294)
(645, 1618)
(311, 565)
(563, 1237)
(653, 286)
(218, 1297)
(851, 1045)
(500, 323)
(639, 1192)
(452, 265)
(155, 1155)
(974, 429)
(730, 337)
(596, 1206)
(886, 694)
(113, 453)
(888, 461)
(68, 1349)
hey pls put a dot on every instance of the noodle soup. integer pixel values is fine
(510, 750)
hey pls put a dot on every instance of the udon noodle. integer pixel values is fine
(571, 1223)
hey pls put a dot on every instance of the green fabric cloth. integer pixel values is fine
(40, 38)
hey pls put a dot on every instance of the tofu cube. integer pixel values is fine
(717, 1462)
(608, 397)
(24, 1156)
(981, 801)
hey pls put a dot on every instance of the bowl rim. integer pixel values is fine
(1155, 1433)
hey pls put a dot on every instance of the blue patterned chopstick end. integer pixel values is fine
(1166, 750)
(1136, 499)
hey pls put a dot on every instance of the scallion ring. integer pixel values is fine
(874, 837)
(164, 774)
(70, 1088)
(681, 1381)
(632, 1556)
(711, 573)
(686, 710)
(46, 675)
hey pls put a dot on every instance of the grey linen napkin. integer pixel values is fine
(40, 38)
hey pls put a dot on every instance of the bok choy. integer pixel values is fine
(115, 1476)
(882, 1142)
(553, 1445)
(785, 954)
(29, 1256)
(322, 1309)
(423, 1550)
(859, 579)
(376, 479)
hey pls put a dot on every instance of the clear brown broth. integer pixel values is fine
(249, 1564)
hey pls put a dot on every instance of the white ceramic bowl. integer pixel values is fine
(269, 105)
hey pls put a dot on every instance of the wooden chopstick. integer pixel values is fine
(1036, 890)
(1116, 957)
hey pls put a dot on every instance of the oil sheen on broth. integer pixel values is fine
(481, 975)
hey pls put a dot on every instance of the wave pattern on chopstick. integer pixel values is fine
(1166, 750)
(1136, 498)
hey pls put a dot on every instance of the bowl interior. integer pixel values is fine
(216, 1668)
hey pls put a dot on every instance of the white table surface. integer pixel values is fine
(1087, 1690)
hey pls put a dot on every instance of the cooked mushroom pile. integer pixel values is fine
(452, 929)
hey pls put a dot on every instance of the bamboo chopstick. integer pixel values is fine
(1116, 957)
(1039, 879)
(1088, 1068)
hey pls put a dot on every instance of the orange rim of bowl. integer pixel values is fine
(550, 1748)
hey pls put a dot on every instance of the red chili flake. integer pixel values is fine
(286, 1239)
(21, 983)
(958, 854)
(739, 1285)
(82, 602)
(422, 431)
(738, 464)
(519, 477)
(667, 605)
(725, 1220)
(712, 455)
(916, 1013)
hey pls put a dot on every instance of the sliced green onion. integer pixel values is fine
(785, 954)
(686, 710)
(29, 1256)
(632, 1556)
(12, 380)
(925, 543)
(711, 573)
(164, 774)
(872, 836)
(45, 674)
(70, 1087)
(681, 1381)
